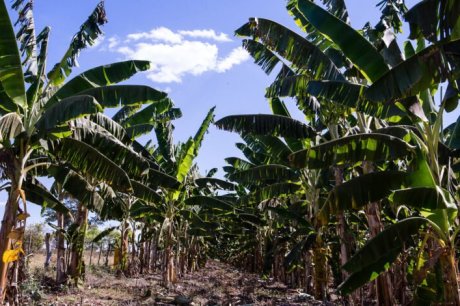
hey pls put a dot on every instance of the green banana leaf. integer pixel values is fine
(209, 202)
(133, 163)
(89, 31)
(264, 173)
(352, 149)
(379, 253)
(99, 76)
(304, 56)
(78, 187)
(271, 191)
(415, 74)
(362, 190)
(87, 160)
(360, 51)
(124, 95)
(38, 194)
(264, 124)
(145, 193)
(66, 110)
(262, 56)
(111, 126)
(215, 183)
(11, 75)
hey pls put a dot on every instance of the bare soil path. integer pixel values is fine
(216, 284)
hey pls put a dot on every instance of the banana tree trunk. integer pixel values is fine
(133, 246)
(169, 264)
(450, 282)
(142, 245)
(60, 258)
(8, 223)
(320, 274)
(48, 250)
(77, 263)
(341, 226)
(123, 255)
(383, 282)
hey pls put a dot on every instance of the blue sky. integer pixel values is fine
(195, 56)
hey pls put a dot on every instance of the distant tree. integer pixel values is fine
(34, 238)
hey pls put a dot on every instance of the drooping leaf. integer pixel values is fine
(287, 214)
(157, 178)
(111, 127)
(351, 95)
(78, 187)
(124, 95)
(264, 124)
(415, 74)
(10, 126)
(215, 183)
(238, 163)
(87, 160)
(262, 56)
(359, 191)
(149, 114)
(278, 107)
(272, 191)
(360, 51)
(264, 173)
(126, 158)
(305, 56)
(66, 110)
(209, 202)
(369, 272)
(38, 194)
(352, 149)
(104, 234)
(125, 112)
(275, 148)
(338, 8)
(99, 76)
(454, 138)
(145, 193)
(429, 198)
(296, 252)
(134, 131)
(432, 17)
(379, 253)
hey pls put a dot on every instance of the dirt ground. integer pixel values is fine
(216, 284)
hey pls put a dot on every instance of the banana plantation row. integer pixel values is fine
(360, 198)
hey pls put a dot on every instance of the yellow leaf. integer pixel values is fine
(23, 216)
(11, 255)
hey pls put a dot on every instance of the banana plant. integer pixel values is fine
(177, 161)
(378, 86)
(36, 115)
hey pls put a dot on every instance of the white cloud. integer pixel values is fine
(113, 42)
(158, 34)
(177, 54)
(236, 57)
(206, 34)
